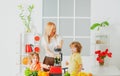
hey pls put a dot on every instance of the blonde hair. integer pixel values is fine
(31, 56)
(48, 29)
(77, 45)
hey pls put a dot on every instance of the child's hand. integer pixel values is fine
(67, 63)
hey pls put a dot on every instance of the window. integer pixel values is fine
(72, 18)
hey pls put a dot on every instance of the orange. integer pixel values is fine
(90, 74)
(25, 60)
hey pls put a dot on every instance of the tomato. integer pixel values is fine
(37, 38)
(37, 49)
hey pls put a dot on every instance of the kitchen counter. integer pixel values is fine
(90, 66)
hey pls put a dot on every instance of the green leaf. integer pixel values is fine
(98, 25)
(26, 18)
(35, 73)
(30, 8)
(105, 23)
(94, 26)
(20, 7)
(27, 72)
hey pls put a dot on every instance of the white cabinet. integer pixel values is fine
(102, 41)
(29, 42)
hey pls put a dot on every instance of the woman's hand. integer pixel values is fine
(58, 46)
(45, 66)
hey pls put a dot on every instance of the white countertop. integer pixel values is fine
(96, 70)
(110, 70)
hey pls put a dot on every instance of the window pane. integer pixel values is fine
(66, 49)
(45, 21)
(82, 27)
(66, 8)
(82, 8)
(50, 8)
(85, 46)
(66, 27)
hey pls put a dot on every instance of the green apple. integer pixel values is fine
(67, 74)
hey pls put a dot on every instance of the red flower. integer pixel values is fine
(101, 61)
(102, 55)
(98, 58)
(109, 54)
(97, 52)
(106, 51)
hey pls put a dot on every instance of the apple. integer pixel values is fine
(67, 74)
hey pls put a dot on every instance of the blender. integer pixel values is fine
(56, 70)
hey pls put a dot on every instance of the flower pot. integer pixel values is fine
(101, 64)
(105, 62)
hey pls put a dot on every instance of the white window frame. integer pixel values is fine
(58, 26)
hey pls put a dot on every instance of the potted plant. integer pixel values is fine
(99, 25)
(26, 17)
(101, 34)
(101, 55)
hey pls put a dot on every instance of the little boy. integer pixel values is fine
(75, 63)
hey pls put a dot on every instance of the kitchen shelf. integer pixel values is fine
(25, 40)
(102, 41)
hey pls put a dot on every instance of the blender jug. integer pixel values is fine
(58, 57)
(56, 70)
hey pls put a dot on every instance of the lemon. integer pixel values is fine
(82, 74)
(39, 73)
(73, 73)
(45, 74)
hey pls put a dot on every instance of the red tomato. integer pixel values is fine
(37, 38)
(37, 49)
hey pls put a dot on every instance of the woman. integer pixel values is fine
(50, 41)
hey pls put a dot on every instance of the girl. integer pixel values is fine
(50, 41)
(35, 65)
(75, 64)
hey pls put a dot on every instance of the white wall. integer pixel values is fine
(8, 36)
(109, 10)
(10, 29)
